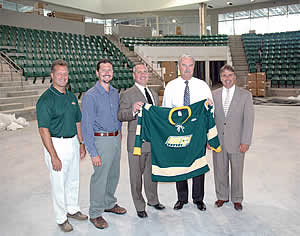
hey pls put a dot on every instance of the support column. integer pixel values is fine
(207, 72)
(202, 18)
(157, 25)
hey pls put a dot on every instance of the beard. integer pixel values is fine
(106, 80)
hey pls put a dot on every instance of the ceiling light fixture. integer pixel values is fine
(229, 3)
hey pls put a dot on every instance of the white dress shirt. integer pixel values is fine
(224, 94)
(142, 89)
(174, 92)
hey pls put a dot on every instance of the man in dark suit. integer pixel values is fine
(234, 116)
(139, 166)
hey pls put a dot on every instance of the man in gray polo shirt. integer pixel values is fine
(101, 131)
(58, 116)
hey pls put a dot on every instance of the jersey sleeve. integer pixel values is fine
(142, 129)
(212, 133)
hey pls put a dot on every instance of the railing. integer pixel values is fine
(147, 60)
(12, 65)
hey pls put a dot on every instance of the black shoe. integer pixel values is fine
(201, 205)
(179, 204)
(142, 214)
(158, 206)
(238, 206)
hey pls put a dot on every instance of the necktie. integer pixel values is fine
(148, 97)
(226, 102)
(186, 97)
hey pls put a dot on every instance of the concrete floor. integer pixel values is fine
(271, 186)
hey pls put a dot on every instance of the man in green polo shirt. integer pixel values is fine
(59, 116)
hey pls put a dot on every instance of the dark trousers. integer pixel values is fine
(197, 192)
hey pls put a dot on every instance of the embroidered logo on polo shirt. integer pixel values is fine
(73, 103)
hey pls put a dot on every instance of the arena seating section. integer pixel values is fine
(176, 40)
(34, 50)
(276, 54)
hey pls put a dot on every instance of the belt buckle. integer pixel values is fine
(101, 134)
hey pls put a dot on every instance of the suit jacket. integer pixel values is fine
(237, 127)
(127, 99)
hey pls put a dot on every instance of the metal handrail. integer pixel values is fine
(12, 65)
(10, 62)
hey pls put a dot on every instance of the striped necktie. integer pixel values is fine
(186, 98)
(226, 102)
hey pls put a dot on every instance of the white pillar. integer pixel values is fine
(157, 25)
(207, 78)
(202, 18)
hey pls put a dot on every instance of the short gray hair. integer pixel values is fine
(186, 56)
(134, 68)
(58, 62)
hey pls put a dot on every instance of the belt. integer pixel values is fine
(63, 136)
(105, 134)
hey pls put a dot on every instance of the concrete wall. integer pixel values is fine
(132, 31)
(173, 53)
(94, 29)
(18, 19)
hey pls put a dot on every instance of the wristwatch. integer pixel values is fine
(81, 142)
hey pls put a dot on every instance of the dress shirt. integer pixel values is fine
(99, 114)
(142, 89)
(174, 92)
(224, 94)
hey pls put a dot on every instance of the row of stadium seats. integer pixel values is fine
(276, 54)
(34, 51)
(176, 40)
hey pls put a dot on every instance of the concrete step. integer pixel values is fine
(29, 113)
(240, 63)
(4, 67)
(14, 83)
(237, 51)
(11, 106)
(237, 54)
(241, 73)
(27, 100)
(10, 74)
(240, 68)
(240, 58)
(22, 93)
(40, 87)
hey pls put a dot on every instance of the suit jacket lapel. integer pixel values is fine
(139, 94)
(219, 102)
(234, 100)
(155, 98)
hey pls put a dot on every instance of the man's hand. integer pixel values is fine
(244, 148)
(210, 102)
(96, 161)
(82, 151)
(56, 164)
(136, 107)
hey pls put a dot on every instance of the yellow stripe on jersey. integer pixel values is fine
(216, 150)
(137, 151)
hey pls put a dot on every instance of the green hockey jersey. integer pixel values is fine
(178, 138)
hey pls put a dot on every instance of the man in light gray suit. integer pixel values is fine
(234, 116)
(140, 167)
